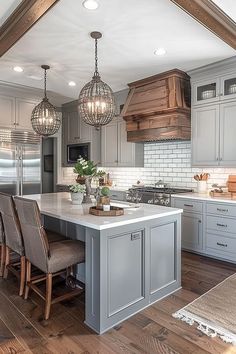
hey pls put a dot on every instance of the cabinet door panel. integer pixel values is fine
(205, 136)
(126, 150)
(126, 271)
(162, 249)
(192, 236)
(110, 145)
(227, 134)
(85, 131)
(206, 91)
(23, 113)
(73, 127)
(7, 111)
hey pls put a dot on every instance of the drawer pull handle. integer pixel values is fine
(223, 210)
(221, 225)
(222, 244)
(188, 205)
(136, 236)
(114, 195)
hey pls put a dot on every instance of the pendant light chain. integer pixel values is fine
(45, 83)
(96, 58)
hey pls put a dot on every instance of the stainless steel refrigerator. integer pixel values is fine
(20, 163)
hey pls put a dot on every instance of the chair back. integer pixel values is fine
(35, 238)
(11, 225)
(2, 237)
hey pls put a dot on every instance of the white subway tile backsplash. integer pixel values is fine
(170, 161)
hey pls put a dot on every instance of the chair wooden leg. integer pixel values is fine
(7, 261)
(28, 278)
(22, 275)
(48, 296)
(2, 262)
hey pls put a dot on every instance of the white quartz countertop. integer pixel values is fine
(206, 197)
(59, 205)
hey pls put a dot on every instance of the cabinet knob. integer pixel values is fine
(200, 221)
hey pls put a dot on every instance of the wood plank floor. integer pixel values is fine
(154, 330)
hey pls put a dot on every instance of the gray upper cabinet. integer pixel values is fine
(227, 134)
(213, 114)
(75, 131)
(7, 109)
(205, 135)
(213, 138)
(116, 151)
(16, 112)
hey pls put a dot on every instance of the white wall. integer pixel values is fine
(170, 162)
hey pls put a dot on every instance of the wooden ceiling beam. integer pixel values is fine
(212, 17)
(21, 20)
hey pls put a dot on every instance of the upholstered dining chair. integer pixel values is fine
(14, 241)
(51, 258)
(3, 247)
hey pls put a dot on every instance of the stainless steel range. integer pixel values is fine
(154, 195)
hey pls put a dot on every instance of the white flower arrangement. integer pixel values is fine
(77, 188)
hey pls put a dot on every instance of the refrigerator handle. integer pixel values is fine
(17, 161)
(21, 170)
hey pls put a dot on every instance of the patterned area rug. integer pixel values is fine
(214, 312)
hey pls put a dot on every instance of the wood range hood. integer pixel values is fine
(158, 108)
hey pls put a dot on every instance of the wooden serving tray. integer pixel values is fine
(229, 195)
(115, 211)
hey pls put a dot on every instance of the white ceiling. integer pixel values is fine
(6, 8)
(132, 30)
(228, 6)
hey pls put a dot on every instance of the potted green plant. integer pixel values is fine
(86, 170)
(104, 198)
(77, 193)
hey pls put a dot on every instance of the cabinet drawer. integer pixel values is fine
(221, 224)
(188, 205)
(221, 244)
(221, 209)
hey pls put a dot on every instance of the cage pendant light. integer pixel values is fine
(96, 104)
(44, 118)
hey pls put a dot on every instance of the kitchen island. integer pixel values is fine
(132, 260)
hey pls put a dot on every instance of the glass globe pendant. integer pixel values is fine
(45, 120)
(96, 104)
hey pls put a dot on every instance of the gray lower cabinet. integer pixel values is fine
(130, 267)
(211, 232)
(192, 232)
(192, 223)
(163, 271)
(126, 270)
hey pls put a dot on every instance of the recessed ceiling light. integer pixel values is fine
(160, 51)
(18, 69)
(90, 4)
(72, 83)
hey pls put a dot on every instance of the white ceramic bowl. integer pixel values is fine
(232, 89)
(208, 94)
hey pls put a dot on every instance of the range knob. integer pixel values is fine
(156, 201)
(150, 201)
